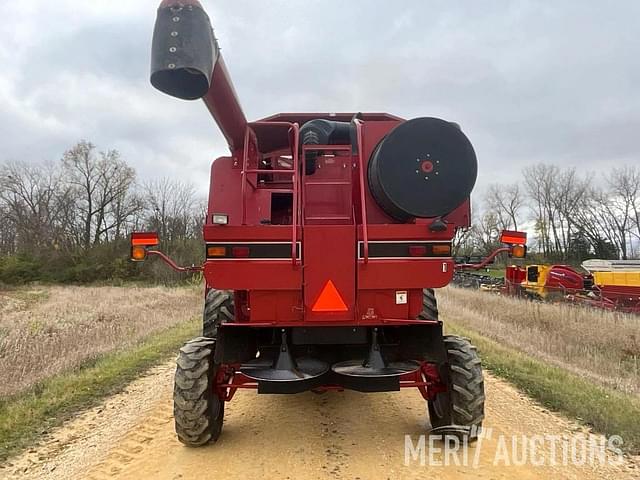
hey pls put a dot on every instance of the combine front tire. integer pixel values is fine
(460, 411)
(218, 307)
(429, 305)
(197, 408)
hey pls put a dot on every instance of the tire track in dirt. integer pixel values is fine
(345, 435)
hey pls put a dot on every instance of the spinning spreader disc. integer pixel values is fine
(303, 369)
(358, 368)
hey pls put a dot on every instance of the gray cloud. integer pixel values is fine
(528, 81)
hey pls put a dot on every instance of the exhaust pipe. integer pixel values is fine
(186, 63)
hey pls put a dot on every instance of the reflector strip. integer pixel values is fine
(148, 239)
(329, 300)
(254, 250)
(394, 249)
(513, 237)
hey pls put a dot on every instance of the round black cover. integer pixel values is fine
(305, 369)
(425, 167)
(358, 368)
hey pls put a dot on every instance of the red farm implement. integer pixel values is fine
(325, 238)
(605, 284)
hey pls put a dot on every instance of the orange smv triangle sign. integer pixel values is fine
(329, 300)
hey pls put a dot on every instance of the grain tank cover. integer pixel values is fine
(425, 167)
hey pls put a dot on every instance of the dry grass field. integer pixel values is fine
(46, 330)
(599, 345)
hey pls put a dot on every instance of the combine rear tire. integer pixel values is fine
(460, 411)
(197, 409)
(218, 307)
(429, 305)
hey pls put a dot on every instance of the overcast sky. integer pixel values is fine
(528, 81)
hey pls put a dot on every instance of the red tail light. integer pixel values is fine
(417, 250)
(240, 252)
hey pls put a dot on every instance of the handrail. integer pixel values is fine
(294, 171)
(363, 198)
(330, 148)
(265, 170)
(294, 220)
(245, 160)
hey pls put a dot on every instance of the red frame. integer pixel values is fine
(425, 378)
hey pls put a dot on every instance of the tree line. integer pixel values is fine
(573, 215)
(70, 220)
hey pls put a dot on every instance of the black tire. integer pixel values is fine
(429, 305)
(218, 307)
(197, 409)
(460, 411)
(310, 138)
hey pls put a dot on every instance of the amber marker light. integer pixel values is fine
(442, 250)
(216, 251)
(138, 253)
(518, 251)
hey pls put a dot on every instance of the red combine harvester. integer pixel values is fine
(326, 234)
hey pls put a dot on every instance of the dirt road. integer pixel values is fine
(333, 436)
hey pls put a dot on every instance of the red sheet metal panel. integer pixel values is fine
(405, 273)
(253, 274)
(385, 304)
(225, 196)
(275, 305)
(249, 233)
(329, 255)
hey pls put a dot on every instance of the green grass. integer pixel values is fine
(25, 416)
(495, 272)
(605, 410)
(490, 272)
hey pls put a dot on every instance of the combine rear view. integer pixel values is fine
(326, 235)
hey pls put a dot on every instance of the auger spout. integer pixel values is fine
(186, 63)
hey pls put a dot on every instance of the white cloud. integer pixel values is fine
(528, 82)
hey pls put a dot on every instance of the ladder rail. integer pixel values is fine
(294, 244)
(363, 198)
(294, 140)
(243, 173)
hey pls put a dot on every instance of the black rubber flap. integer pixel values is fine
(183, 52)
(425, 167)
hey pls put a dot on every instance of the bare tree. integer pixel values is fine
(592, 222)
(506, 202)
(568, 196)
(487, 232)
(558, 195)
(170, 208)
(539, 180)
(8, 234)
(31, 203)
(623, 205)
(101, 183)
(463, 242)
